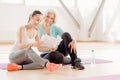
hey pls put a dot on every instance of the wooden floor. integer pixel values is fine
(108, 51)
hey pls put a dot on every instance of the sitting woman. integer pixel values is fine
(22, 56)
(66, 46)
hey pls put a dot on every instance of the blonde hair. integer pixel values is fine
(52, 12)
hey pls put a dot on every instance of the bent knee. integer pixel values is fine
(56, 57)
(17, 57)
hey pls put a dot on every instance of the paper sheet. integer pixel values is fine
(49, 41)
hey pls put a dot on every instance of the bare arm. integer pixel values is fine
(21, 42)
(39, 44)
(72, 46)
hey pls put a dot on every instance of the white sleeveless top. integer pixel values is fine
(26, 39)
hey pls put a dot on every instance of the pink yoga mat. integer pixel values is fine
(84, 61)
(109, 77)
(3, 66)
(97, 61)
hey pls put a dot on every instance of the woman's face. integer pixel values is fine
(36, 19)
(49, 18)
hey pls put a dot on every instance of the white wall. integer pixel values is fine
(14, 16)
(106, 25)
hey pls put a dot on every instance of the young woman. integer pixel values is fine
(66, 46)
(22, 56)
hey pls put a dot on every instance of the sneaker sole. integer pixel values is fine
(77, 68)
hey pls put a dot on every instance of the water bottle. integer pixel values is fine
(92, 56)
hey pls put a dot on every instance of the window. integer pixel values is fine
(111, 15)
(13, 1)
(40, 2)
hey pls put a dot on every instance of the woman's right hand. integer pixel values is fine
(39, 43)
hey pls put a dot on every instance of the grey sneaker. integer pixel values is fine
(77, 65)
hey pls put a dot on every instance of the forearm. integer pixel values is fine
(26, 45)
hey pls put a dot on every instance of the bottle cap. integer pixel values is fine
(92, 50)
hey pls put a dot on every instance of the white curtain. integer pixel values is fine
(107, 25)
(111, 14)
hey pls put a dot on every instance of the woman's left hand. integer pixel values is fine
(53, 49)
(72, 46)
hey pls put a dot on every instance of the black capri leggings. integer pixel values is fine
(62, 51)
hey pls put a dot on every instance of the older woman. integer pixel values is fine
(65, 47)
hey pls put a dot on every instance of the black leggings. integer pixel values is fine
(62, 51)
(63, 46)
